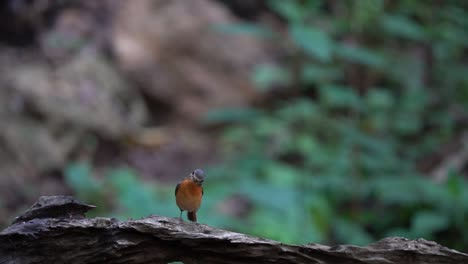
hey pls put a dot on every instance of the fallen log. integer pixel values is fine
(55, 230)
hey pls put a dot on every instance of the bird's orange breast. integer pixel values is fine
(189, 196)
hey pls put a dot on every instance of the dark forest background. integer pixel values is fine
(316, 121)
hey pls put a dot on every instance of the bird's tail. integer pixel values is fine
(192, 216)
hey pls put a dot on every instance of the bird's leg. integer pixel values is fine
(180, 217)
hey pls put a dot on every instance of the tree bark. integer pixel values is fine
(54, 230)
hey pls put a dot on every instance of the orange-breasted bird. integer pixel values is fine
(189, 193)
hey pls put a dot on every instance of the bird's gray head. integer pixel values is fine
(198, 176)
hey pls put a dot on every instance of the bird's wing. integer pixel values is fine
(177, 188)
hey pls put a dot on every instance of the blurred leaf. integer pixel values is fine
(313, 41)
(407, 69)
(267, 76)
(305, 144)
(79, 176)
(379, 99)
(351, 233)
(271, 222)
(408, 119)
(403, 27)
(267, 127)
(122, 179)
(278, 198)
(434, 194)
(135, 198)
(245, 29)
(393, 191)
(282, 175)
(336, 96)
(457, 14)
(234, 135)
(300, 110)
(406, 123)
(455, 184)
(365, 12)
(426, 223)
(291, 10)
(360, 55)
(313, 74)
(321, 216)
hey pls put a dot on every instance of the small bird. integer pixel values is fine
(189, 193)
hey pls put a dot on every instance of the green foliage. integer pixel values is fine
(313, 41)
(337, 163)
(119, 192)
(359, 55)
(402, 26)
(266, 76)
(88, 188)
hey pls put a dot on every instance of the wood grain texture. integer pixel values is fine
(71, 238)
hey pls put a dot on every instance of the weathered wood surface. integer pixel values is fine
(55, 230)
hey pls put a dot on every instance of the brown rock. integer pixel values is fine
(174, 51)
